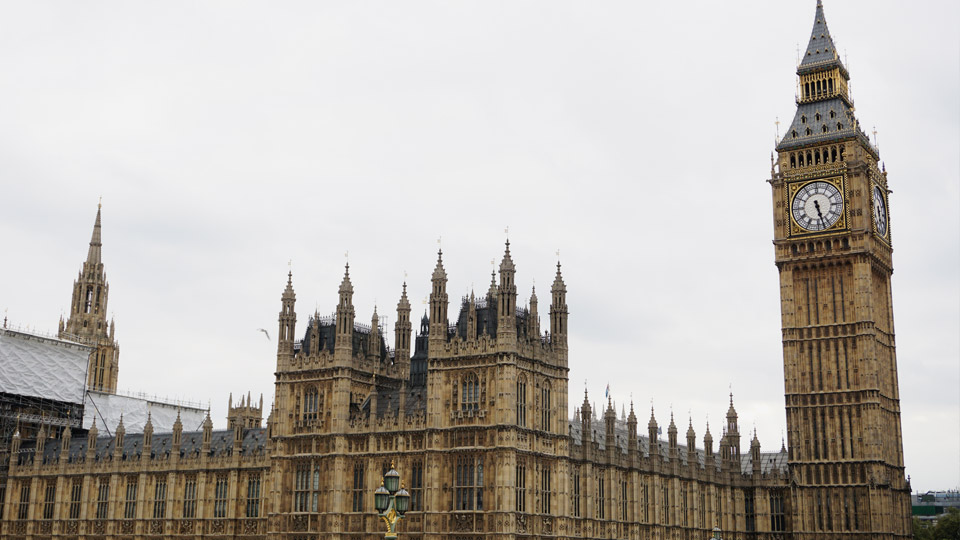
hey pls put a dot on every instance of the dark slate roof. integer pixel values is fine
(821, 52)
(254, 442)
(836, 116)
(327, 332)
(770, 461)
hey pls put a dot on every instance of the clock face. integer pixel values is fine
(817, 206)
(879, 211)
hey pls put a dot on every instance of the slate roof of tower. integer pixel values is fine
(821, 52)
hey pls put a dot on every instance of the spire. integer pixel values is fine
(821, 51)
(507, 263)
(492, 293)
(93, 254)
(438, 271)
(346, 287)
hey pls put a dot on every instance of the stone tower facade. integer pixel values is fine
(88, 318)
(833, 251)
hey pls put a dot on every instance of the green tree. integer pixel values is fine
(947, 527)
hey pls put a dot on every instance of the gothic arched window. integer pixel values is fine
(470, 395)
(522, 400)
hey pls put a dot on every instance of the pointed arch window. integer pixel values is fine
(311, 403)
(470, 395)
(522, 400)
(545, 406)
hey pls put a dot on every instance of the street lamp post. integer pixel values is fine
(391, 501)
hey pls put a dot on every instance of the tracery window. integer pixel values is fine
(220, 496)
(159, 497)
(576, 492)
(416, 486)
(468, 483)
(545, 409)
(253, 495)
(76, 493)
(470, 394)
(311, 401)
(522, 400)
(48, 498)
(24, 506)
(601, 496)
(520, 489)
(545, 489)
(358, 489)
(130, 505)
(190, 497)
(103, 498)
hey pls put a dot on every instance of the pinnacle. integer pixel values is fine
(345, 285)
(438, 271)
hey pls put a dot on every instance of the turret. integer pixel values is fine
(92, 441)
(207, 434)
(533, 319)
(15, 446)
(119, 433)
(345, 317)
(148, 433)
(507, 300)
(755, 455)
(438, 307)
(287, 322)
(177, 433)
(244, 413)
(632, 431)
(402, 329)
(610, 419)
(707, 448)
(652, 434)
(586, 420)
(65, 439)
(41, 442)
(558, 311)
(373, 340)
(733, 431)
(672, 439)
(691, 445)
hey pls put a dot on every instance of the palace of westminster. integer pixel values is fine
(473, 407)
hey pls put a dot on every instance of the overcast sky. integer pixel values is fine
(227, 138)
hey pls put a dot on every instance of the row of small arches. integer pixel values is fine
(816, 156)
(811, 247)
(818, 88)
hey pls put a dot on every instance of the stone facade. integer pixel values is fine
(472, 410)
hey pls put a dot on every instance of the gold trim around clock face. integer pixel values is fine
(794, 188)
(880, 213)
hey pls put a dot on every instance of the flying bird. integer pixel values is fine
(264, 333)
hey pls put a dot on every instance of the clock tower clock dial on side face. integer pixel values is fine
(879, 211)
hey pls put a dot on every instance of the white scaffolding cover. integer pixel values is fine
(42, 367)
(106, 409)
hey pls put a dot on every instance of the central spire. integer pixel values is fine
(93, 254)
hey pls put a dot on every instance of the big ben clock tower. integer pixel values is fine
(832, 236)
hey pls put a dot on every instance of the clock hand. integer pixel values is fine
(819, 213)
